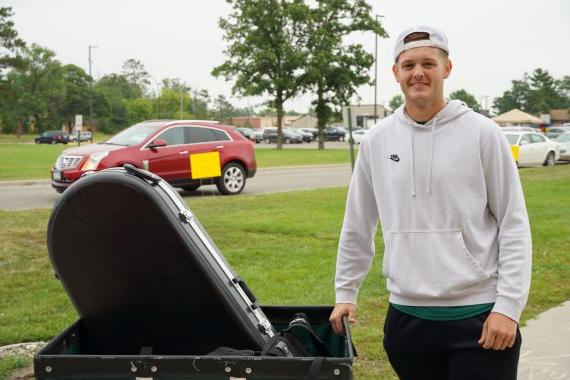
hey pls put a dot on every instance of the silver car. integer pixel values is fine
(564, 141)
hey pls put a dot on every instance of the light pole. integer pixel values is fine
(376, 73)
(486, 97)
(90, 89)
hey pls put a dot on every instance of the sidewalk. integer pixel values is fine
(545, 351)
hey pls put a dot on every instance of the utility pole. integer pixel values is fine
(376, 74)
(90, 89)
(486, 97)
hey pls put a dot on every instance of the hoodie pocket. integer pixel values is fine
(429, 264)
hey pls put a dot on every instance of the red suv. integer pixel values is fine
(185, 153)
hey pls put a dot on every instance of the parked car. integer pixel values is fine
(249, 134)
(289, 136)
(185, 153)
(305, 136)
(531, 148)
(83, 136)
(564, 141)
(357, 136)
(258, 135)
(53, 137)
(556, 131)
(313, 131)
(520, 129)
(334, 134)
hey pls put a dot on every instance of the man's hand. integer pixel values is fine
(499, 332)
(339, 311)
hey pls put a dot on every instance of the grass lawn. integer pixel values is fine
(31, 161)
(284, 246)
(292, 157)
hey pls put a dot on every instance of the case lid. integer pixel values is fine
(119, 251)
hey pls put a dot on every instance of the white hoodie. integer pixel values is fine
(451, 206)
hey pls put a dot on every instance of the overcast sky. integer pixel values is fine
(491, 41)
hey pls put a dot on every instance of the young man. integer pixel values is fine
(441, 180)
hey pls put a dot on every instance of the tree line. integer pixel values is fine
(37, 90)
(279, 49)
(536, 93)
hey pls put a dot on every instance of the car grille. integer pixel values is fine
(67, 162)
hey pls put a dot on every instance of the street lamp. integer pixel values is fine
(90, 88)
(376, 74)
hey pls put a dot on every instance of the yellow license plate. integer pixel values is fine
(205, 165)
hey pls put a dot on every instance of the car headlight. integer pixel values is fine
(94, 160)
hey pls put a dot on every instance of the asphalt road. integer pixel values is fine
(21, 195)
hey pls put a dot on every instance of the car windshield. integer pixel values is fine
(512, 138)
(133, 135)
(564, 138)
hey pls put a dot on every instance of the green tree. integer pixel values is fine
(517, 97)
(37, 90)
(139, 109)
(199, 104)
(76, 82)
(11, 47)
(545, 93)
(396, 102)
(111, 105)
(136, 75)
(118, 85)
(333, 70)
(175, 84)
(536, 93)
(564, 86)
(265, 50)
(466, 98)
(170, 104)
(223, 109)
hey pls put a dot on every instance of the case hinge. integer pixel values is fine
(185, 216)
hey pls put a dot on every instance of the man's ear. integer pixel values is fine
(447, 69)
(396, 72)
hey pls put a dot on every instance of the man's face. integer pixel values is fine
(420, 72)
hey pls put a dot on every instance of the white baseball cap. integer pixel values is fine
(420, 36)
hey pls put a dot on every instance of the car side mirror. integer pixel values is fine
(157, 143)
(523, 142)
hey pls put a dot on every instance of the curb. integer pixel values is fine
(30, 182)
(25, 182)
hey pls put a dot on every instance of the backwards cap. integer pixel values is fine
(420, 36)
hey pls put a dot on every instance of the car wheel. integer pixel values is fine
(37, 141)
(287, 141)
(267, 141)
(232, 180)
(341, 139)
(550, 161)
(190, 187)
(53, 142)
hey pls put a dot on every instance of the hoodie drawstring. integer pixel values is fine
(412, 174)
(430, 158)
(430, 152)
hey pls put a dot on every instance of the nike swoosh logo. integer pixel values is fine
(394, 157)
